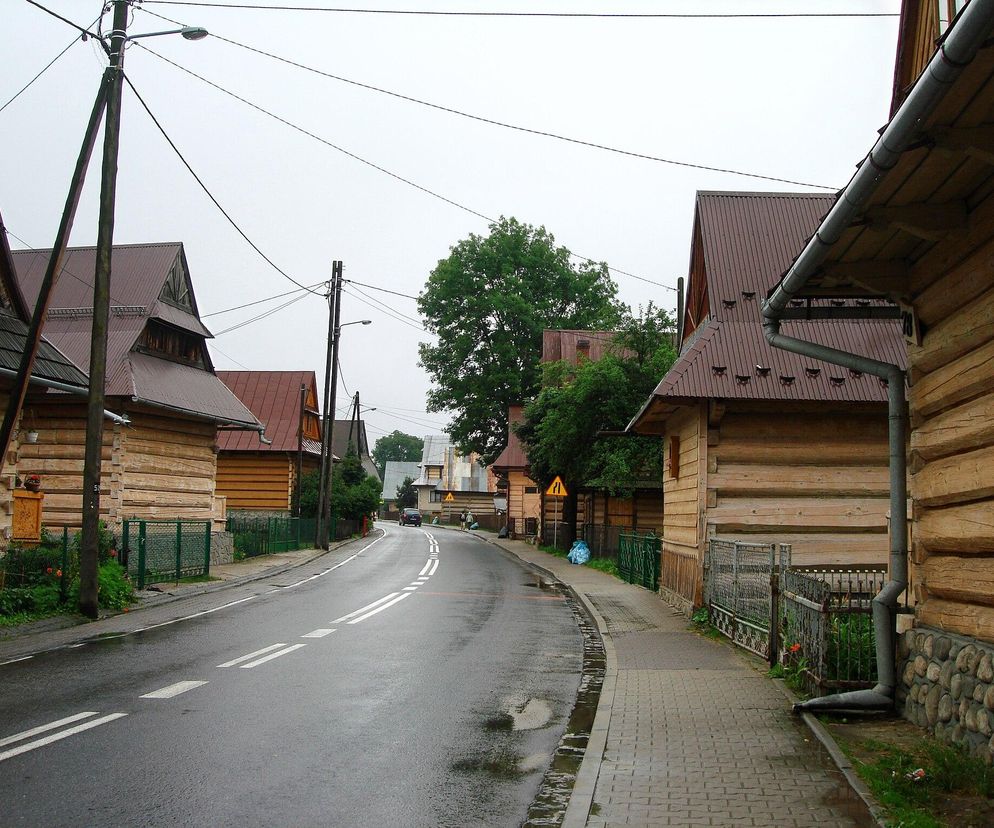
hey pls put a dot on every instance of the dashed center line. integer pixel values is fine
(321, 633)
(250, 656)
(173, 690)
(271, 656)
(360, 611)
(382, 607)
(27, 734)
(55, 737)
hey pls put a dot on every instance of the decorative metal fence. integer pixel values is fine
(739, 592)
(638, 560)
(264, 535)
(165, 550)
(605, 541)
(827, 625)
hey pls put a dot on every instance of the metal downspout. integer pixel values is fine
(880, 697)
(78, 390)
(972, 28)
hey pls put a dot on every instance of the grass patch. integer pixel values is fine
(600, 564)
(701, 624)
(920, 782)
(197, 579)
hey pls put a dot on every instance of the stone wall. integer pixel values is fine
(222, 548)
(947, 687)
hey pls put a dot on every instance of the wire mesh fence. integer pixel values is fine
(155, 551)
(255, 535)
(826, 620)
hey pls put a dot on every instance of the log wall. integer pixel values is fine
(522, 504)
(256, 481)
(682, 546)
(801, 474)
(952, 447)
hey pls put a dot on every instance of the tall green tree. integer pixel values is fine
(407, 495)
(397, 446)
(488, 303)
(576, 403)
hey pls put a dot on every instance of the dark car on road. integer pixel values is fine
(410, 517)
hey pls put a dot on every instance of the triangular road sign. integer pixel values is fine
(449, 498)
(558, 488)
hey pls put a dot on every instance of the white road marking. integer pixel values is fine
(173, 690)
(410, 589)
(55, 737)
(420, 580)
(15, 660)
(27, 734)
(434, 568)
(317, 633)
(197, 614)
(250, 656)
(363, 609)
(426, 567)
(380, 608)
(271, 656)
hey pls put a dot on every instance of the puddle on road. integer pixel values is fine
(549, 805)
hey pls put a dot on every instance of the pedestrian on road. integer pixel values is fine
(469, 520)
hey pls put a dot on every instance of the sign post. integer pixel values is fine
(557, 489)
(449, 499)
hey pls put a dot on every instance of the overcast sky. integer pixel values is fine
(791, 98)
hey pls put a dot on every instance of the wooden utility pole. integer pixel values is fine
(33, 339)
(300, 446)
(101, 311)
(331, 381)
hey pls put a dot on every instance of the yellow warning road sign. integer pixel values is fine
(449, 498)
(558, 488)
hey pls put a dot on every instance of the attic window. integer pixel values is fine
(837, 381)
(742, 379)
(718, 370)
(762, 371)
(176, 291)
(812, 373)
(786, 379)
(748, 294)
(728, 303)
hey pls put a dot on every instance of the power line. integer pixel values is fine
(386, 312)
(415, 320)
(210, 195)
(48, 66)
(381, 289)
(355, 157)
(83, 31)
(256, 302)
(261, 316)
(569, 15)
(505, 125)
(222, 353)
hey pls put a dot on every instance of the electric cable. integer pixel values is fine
(502, 124)
(386, 312)
(84, 32)
(48, 66)
(257, 301)
(210, 195)
(416, 320)
(569, 15)
(381, 289)
(261, 316)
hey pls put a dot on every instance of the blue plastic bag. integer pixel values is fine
(579, 553)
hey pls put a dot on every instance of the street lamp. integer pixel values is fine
(111, 86)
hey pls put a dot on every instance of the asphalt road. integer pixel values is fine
(425, 681)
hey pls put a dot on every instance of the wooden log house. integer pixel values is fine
(159, 374)
(924, 239)
(524, 501)
(257, 477)
(445, 471)
(759, 444)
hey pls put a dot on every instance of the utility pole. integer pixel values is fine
(331, 381)
(101, 311)
(300, 446)
(33, 339)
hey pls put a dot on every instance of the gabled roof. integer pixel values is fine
(274, 398)
(435, 450)
(145, 280)
(746, 240)
(15, 317)
(513, 456)
(394, 474)
(346, 432)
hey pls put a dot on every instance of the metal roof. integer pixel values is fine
(394, 474)
(345, 432)
(513, 456)
(50, 363)
(274, 398)
(748, 240)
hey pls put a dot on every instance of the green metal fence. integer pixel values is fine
(166, 550)
(638, 559)
(256, 535)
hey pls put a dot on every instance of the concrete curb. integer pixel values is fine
(582, 797)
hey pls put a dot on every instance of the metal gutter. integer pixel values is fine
(965, 38)
(78, 390)
(237, 424)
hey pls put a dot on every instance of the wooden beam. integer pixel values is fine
(932, 222)
(877, 277)
(977, 142)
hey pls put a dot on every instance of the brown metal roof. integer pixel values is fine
(274, 398)
(513, 456)
(139, 273)
(749, 239)
(344, 432)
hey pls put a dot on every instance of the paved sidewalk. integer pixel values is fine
(690, 731)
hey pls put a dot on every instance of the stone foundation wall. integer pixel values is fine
(222, 548)
(946, 686)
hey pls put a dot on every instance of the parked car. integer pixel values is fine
(410, 517)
